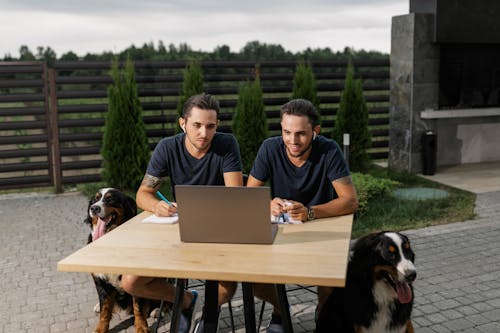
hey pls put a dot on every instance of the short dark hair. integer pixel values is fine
(202, 101)
(301, 107)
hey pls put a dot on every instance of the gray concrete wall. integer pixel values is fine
(414, 88)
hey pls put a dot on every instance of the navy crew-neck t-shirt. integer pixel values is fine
(171, 159)
(310, 184)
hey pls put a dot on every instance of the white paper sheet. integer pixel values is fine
(161, 219)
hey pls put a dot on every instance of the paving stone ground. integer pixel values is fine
(457, 289)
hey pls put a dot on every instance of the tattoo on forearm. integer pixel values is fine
(345, 180)
(152, 181)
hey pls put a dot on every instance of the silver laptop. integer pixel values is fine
(219, 214)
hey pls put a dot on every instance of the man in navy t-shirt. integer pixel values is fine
(199, 156)
(309, 179)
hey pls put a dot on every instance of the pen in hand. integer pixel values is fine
(162, 197)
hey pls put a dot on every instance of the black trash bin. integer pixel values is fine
(429, 151)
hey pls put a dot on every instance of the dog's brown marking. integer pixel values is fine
(409, 327)
(378, 270)
(358, 329)
(141, 325)
(106, 313)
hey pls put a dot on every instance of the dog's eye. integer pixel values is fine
(406, 246)
(392, 249)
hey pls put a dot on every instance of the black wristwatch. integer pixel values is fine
(310, 214)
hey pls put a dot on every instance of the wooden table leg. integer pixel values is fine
(286, 319)
(211, 307)
(177, 306)
(249, 308)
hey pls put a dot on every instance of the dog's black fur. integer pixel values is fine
(108, 209)
(378, 296)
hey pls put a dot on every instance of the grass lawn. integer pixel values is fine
(387, 212)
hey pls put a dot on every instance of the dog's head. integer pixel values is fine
(108, 209)
(388, 258)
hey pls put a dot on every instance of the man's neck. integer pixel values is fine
(193, 151)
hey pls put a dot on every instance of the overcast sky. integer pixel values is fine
(112, 25)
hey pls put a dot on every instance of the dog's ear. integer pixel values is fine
(364, 255)
(88, 219)
(129, 207)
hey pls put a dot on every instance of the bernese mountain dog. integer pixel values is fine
(108, 209)
(378, 295)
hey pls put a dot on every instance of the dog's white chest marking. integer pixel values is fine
(384, 297)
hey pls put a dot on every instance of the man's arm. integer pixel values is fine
(146, 199)
(254, 182)
(346, 203)
(234, 178)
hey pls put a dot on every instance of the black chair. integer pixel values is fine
(195, 284)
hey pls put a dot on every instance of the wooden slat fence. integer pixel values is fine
(26, 158)
(51, 120)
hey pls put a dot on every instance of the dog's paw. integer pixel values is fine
(101, 329)
(97, 308)
(155, 313)
(142, 330)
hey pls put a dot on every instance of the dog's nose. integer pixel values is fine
(411, 275)
(95, 209)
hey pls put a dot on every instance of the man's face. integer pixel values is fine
(297, 134)
(200, 126)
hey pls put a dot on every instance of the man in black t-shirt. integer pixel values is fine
(198, 156)
(309, 179)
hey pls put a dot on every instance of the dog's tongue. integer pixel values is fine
(404, 292)
(99, 229)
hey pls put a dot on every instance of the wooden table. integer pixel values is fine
(313, 253)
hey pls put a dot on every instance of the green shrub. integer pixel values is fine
(304, 84)
(125, 150)
(249, 122)
(192, 84)
(352, 118)
(369, 187)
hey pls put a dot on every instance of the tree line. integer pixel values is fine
(252, 51)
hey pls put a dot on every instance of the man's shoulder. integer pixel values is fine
(222, 139)
(327, 143)
(224, 142)
(171, 140)
(273, 141)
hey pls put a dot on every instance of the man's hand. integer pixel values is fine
(296, 210)
(277, 205)
(163, 209)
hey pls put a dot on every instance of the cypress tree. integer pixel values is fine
(249, 122)
(304, 84)
(192, 84)
(352, 118)
(125, 150)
